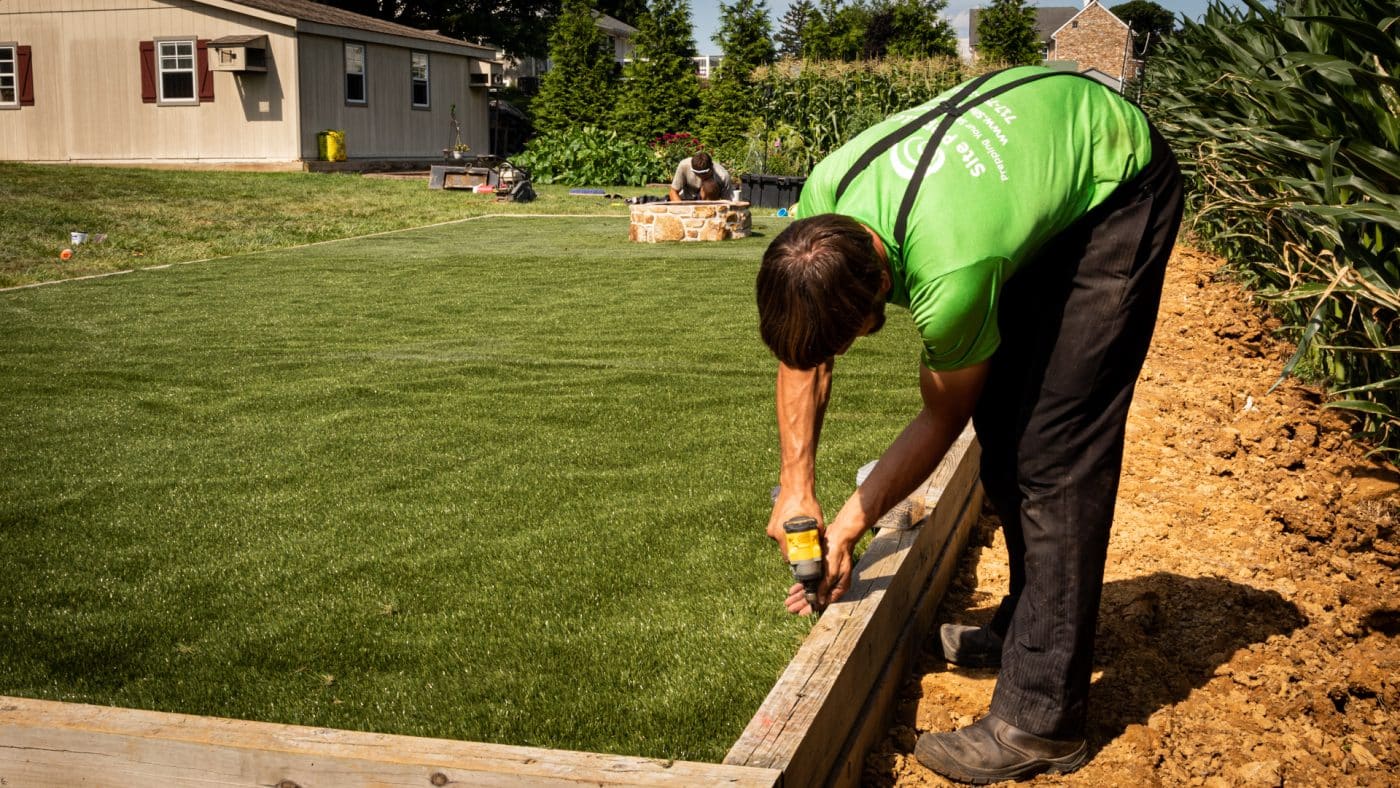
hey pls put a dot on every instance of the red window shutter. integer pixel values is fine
(26, 78)
(206, 77)
(148, 72)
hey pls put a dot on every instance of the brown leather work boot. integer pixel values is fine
(970, 647)
(992, 750)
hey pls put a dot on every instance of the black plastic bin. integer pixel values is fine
(771, 191)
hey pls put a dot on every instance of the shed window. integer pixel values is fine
(355, 74)
(9, 76)
(175, 66)
(418, 73)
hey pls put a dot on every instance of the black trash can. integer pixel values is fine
(771, 191)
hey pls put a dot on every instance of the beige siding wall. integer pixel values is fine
(1099, 40)
(87, 87)
(388, 126)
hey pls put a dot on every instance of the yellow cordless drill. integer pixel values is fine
(804, 549)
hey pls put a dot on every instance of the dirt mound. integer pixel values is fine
(1250, 628)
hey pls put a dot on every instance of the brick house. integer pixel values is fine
(1096, 40)
(1091, 40)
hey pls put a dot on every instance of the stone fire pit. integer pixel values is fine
(689, 221)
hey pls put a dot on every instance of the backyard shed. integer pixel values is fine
(230, 83)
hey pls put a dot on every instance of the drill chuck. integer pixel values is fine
(804, 547)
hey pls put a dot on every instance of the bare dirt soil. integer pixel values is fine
(1250, 627)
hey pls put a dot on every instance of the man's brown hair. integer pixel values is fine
(818, 286)
(701, 162)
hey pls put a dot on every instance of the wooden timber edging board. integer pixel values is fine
(832, 701)
(49, 743)
(830, 705)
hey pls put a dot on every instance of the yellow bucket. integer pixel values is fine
(331, 145)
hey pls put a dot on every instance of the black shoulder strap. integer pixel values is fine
(894, 137)
(911, 192)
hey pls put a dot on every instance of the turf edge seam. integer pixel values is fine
(106, 274)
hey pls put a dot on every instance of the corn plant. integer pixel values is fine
(810, 108)
(1288, 125)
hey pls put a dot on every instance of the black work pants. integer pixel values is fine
(1075, 325)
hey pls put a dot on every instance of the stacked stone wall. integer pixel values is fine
(653, 222)
(1095, 38)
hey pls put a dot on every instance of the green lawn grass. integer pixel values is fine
(503, 480)
(152, 217)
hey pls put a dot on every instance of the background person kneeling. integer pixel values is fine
(700, 178)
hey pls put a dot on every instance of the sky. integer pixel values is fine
(704, 15)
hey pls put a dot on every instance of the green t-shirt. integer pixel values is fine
(1010, 173)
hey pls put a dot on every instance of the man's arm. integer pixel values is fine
(726, 182)
(948, 401)
(678, 180)
(802, 395)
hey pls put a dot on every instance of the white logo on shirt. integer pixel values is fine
(904, 157)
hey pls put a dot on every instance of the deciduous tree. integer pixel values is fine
(519, 27)
(1150, 23)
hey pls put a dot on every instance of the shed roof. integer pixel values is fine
(328, 15)
(613, 24)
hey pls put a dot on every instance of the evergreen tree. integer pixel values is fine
(660, 91)
(792, 27)
(745, 38)
(921, 30)
(745, 35)
(818, 41)
(1006, 33)
(579, 87)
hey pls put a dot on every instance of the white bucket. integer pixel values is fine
(77, 237)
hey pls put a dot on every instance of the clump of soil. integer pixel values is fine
(1250, 627)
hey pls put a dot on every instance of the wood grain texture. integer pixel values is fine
(47, 743)
(813, 716)
(874, 719)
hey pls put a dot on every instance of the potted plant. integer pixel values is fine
(459, 149)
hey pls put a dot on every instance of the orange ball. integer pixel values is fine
(66, 254)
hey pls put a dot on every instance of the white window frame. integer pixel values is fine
(363, 74)
(161, 70)
(413, 80)
(13, 76)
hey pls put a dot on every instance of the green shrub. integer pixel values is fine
(1287, 123)
(590, 156)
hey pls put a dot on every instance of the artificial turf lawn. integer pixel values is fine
(501, 481)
